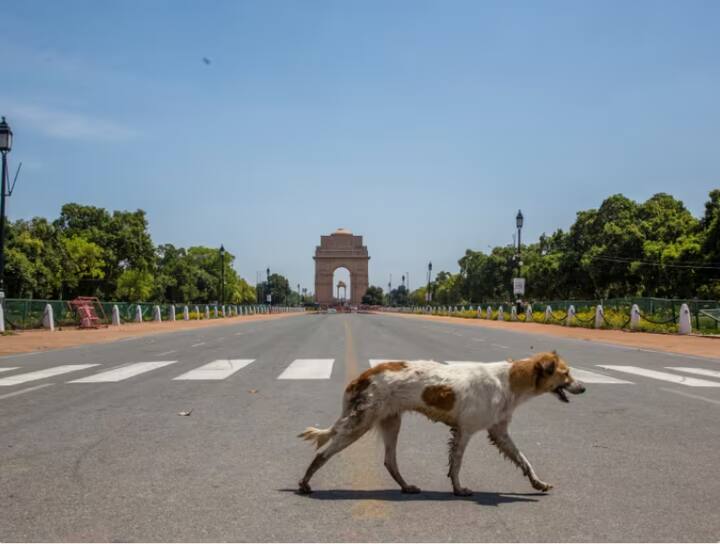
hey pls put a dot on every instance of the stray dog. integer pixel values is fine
(466, 397)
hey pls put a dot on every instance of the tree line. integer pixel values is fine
(89, 251)
(624, 248)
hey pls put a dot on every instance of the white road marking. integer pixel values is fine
(586, 376)
(478, 339)
(239, 333)
(198, 345)
(216, 370)
(167, 352)
(663, 376)
(690, 395)
(451, 363)
(698, 371)
(124, 372)
(500, 346)
(220, 339)
(457, 334)
(8, 368)
(41, 374)
(308, 369)
(26, 390)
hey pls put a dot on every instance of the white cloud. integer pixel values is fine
(64, 124)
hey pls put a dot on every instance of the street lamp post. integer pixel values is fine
(6, 136)
(389, 289)
(428, 296)
(520, 288)
(519, 219)
(299, 295)
(222, 275)
(268, 295)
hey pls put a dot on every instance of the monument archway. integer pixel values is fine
(340, 249)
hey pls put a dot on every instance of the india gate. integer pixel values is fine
(341, 249)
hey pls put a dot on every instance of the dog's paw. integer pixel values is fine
(411, 489)
(542, 486)
(462, 492)
(304, 488)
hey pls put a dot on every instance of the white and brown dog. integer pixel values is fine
(466, 397)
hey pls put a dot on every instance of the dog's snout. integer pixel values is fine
(576, 388)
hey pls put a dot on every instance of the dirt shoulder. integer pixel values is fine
(42, 340)
(701, 346)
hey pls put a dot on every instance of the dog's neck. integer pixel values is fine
(523, 380)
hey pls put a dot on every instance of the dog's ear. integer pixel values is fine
(546, 365)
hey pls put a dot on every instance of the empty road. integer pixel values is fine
(93, 446)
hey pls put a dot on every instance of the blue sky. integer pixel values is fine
(423, 126)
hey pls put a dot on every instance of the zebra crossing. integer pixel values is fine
(322, 369)
(216, 370)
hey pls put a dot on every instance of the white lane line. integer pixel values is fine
(26, 390)
(41, 374)
(663, 376)
(198, 345)
(478, 339)
(451, 363)
(124, 372)
(220, 339)
(216, 370)
(698, 371)
(167, 352)
(8, 368)
(308, 369)
(500, 346)
(586, 376)
(239, 333)
(457, 334)
(690, 395)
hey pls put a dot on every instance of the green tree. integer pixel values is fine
(33, 259)
(123, 236)
(135, 285)
(399, 296)
(82, 260)
(373, 296)
(279, 289)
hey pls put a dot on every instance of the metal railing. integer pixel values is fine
(22, 314)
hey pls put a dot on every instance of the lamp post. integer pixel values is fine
(6, 136)
(428, 296)
(519, 286)
(519, 219)
(222, 275)
(268, 295)
(299, 295)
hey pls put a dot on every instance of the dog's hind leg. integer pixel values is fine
(499, 436)
(390, 428)
(339, 442)
(458, 442)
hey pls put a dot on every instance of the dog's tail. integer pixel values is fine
(320, 436)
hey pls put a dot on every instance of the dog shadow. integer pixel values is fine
(483, 498)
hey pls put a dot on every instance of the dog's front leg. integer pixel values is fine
(458, 442)
(499, 436)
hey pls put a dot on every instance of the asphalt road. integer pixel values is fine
(113, 460)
